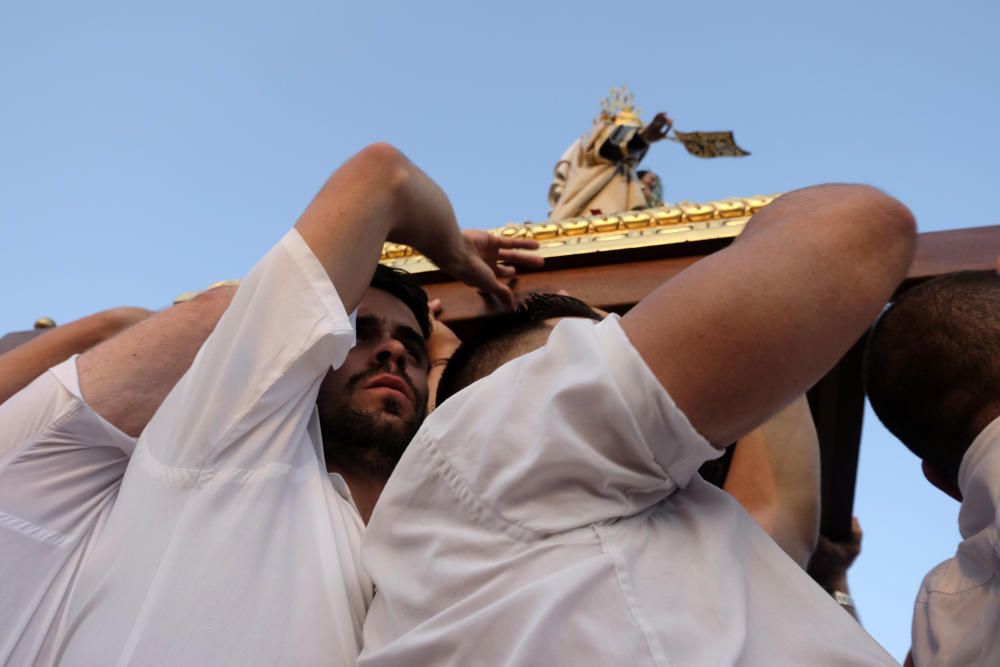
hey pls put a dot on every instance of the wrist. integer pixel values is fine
(846, 602)
(835, 582)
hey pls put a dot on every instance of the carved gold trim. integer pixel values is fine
(664, 225)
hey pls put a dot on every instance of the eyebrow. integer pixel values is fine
(402, 332)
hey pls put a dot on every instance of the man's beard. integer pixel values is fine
(368, 442)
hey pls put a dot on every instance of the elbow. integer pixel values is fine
(872, 220)
(889, 239)
(380, 153)
(383, 165)
(889, 224)
(860, 202)
(863, 228)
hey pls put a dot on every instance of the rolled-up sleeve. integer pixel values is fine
(285, 328)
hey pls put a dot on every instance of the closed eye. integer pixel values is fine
(414, 343)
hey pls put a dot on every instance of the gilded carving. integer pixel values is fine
(731, 209)
(686, 221)
(697, 212)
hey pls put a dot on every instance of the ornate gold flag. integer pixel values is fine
(710, 144)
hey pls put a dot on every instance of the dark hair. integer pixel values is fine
(641, 173)
(932, 365)
(401, 285)
(482, 354)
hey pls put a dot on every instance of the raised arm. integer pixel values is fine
(24, 363)
(762, 320)
(831, 561)
(775, 477)
(379, 195)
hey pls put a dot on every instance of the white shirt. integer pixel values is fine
(60, 468)
(956, 618)
(551, 514)
(228, 543)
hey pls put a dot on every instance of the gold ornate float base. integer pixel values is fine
(664, 225)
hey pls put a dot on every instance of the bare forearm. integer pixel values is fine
(20, 366)
(126, 378)
(433, 380)
(793, 452)
(775, 310)
(775, 476)
(377, 195)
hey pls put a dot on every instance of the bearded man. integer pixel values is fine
(233, 536)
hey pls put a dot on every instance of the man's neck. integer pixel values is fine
(365, 489)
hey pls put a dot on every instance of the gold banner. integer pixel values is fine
(710, 144)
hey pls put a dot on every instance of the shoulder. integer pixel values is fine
(972, 570)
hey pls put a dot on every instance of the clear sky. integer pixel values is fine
(152, 148)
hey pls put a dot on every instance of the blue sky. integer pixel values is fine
(148, 149)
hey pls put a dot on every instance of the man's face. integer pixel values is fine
(373, 404)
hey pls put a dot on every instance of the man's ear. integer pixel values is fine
(941, 481)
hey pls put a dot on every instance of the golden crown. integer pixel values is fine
(619, 107)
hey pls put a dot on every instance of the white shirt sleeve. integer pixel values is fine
(575, 433)
(285, 327)
(227, 543)
(60, 468)
(957, 611)
(57, 456)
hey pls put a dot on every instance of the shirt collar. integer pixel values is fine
(340, 486)
(977, 480)
(978, 452)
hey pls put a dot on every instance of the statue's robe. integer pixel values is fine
(597, 173)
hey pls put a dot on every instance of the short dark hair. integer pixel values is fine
(932, 365)
(482, 354)
(401, 285)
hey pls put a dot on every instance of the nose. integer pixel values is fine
(390, 352)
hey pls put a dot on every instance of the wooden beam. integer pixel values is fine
(621, 285)
(837, 403)
(975, 248)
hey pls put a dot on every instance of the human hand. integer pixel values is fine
(442, 342)
(657, 128)
(479, 263)
(831, 560)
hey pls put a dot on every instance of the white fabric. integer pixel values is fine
(551, 514)
(60, 468)
(228, 544)
(585, 181)
(957, 613)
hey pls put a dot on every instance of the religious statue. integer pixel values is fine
(597, 173)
